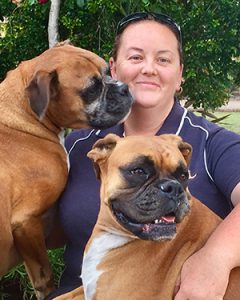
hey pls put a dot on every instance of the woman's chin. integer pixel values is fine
(147, 99)
(149, 102)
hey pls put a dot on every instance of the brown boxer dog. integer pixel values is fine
(148, 223)
(63, 87)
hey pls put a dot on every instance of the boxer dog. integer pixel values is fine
(63, 87)
(148, 223)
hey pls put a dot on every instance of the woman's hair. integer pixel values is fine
(142, 16)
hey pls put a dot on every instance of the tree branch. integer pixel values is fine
(53, 34)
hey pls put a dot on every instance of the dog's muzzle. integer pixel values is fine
(153, 212)
(112, 106)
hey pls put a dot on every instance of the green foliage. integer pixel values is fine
(26, 34)
(16, 281)
(212, 40)
(210, 35)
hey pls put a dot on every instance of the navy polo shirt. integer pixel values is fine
(215, 168)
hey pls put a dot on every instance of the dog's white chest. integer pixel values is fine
(96, 252)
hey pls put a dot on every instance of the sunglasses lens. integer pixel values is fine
(130, 18)
(143, 16)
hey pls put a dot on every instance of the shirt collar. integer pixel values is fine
(171, 124)
(173, 121)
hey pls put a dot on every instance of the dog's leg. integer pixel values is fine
(29, 240)
(76, 294)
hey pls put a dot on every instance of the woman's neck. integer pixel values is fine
(146, 121)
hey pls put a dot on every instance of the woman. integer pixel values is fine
(147, 55)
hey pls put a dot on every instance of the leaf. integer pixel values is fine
(32, 2)
(218, 120)
(80, 3)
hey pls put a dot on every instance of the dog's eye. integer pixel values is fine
(137, 171)
(93, 91)
(183, 177)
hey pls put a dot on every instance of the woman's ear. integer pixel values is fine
(180, 78)
(112, 65)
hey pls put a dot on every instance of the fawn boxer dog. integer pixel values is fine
(63, 87)
(148, 223)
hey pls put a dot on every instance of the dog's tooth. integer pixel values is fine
(156, 221)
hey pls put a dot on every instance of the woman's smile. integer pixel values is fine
(148, 84)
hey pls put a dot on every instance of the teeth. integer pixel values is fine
(165, 220)
(157, 221)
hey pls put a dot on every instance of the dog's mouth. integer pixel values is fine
(161, 228)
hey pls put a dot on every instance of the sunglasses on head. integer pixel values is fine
(164, 19)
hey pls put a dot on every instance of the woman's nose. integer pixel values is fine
(149, 67)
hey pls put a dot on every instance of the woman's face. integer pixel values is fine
(148, 61)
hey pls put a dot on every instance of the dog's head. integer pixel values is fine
(144, 182)
(69, 85)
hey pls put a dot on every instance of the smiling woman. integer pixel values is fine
(138, 58)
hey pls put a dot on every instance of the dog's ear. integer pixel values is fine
(103, 147)
(186, 150)
(62, 43)
(40, 90)
(101, 150)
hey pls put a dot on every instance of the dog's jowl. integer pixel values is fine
(65, 87)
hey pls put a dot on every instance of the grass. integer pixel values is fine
(16, 285)
(232, 122)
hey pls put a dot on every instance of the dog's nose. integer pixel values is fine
(123, 90)
(171, 188)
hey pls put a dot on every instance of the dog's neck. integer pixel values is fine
(107, 235)
(93, 256)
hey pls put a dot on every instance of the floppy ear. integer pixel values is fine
(101, 150)
(186, 150)
(62, 43)
(40, 90)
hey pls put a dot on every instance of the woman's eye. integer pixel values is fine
(163, 60)
(135, 57)
(137, 171)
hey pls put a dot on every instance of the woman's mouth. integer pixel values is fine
(150, 84)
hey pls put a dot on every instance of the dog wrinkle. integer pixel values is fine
(93, 257)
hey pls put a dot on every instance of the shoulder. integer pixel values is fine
(216, 136)
(80, 136)
(83, 139)
(210, 130)
(223, 141)
(201, 123)
(80, 140)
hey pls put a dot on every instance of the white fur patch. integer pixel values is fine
(92, 258)
(91, 108)
(61, 137)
